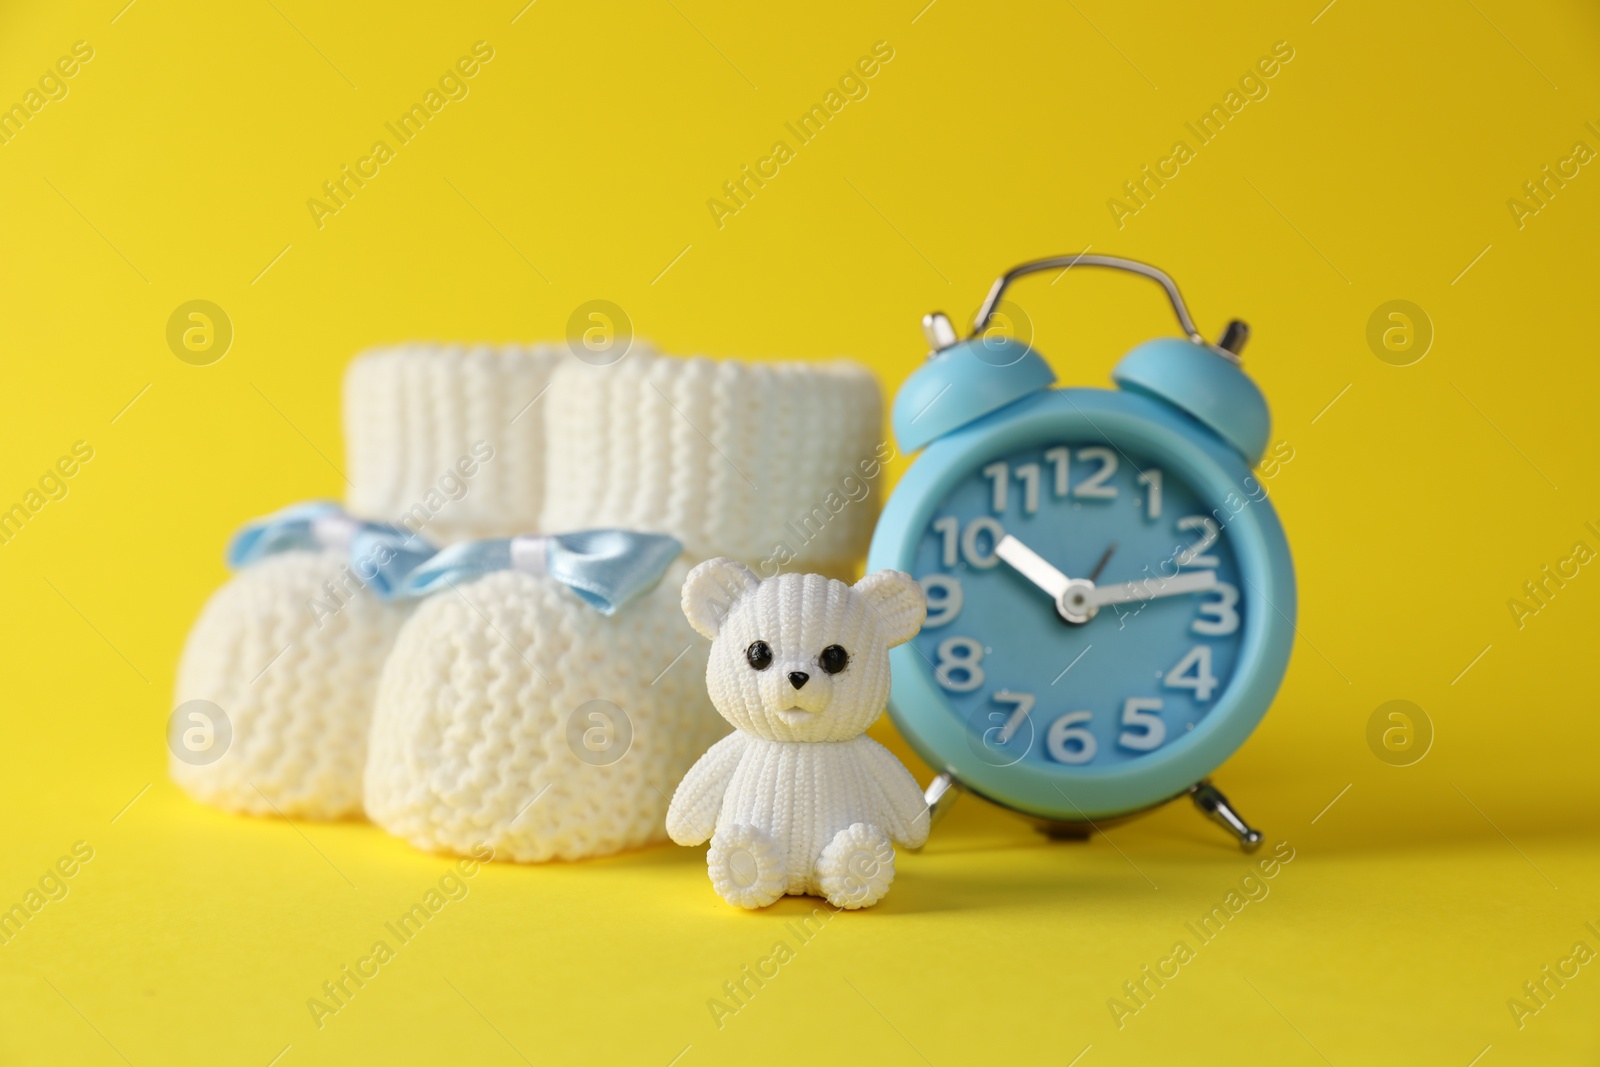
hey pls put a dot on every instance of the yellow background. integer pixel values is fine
(1378, 168)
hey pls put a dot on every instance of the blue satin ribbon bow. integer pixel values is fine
(606, 568)
(380, 555)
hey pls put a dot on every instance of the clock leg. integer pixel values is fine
(1209, 799)
(940, 794)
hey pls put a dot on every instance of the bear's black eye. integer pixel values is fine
(834, 659)
(759, 655)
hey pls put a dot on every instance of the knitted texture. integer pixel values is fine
(797, 799)
(448, 440)
(289, 649)
(514, 715)
(776, 464)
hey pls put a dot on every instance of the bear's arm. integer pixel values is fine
(692, 815)
(904, 811)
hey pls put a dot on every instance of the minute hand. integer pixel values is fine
(1151, 588)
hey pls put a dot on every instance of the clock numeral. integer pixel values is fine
(1000, 474)
(1194, 555)
(1028, 475)
(944, 599)
(1141, 712)
(1202, 681)
(960, 666)
(1069, 741)
(968, 541)
(1023, 702)
(1060, 459)
(1220, 617)
(1151, 479)
(1094, 487)
(949, 528)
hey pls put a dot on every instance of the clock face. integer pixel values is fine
(1162, 625)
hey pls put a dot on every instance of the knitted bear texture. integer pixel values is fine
(776, 464)
(448, 440)
(513, 714)
(798, 799)
(289, 649)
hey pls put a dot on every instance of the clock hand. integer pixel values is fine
(1151, 588)
(1105, 557)
(1077, 599)
(1071, 595)
(1032, 566)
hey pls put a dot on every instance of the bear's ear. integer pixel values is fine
(898, 601)
(711, 590)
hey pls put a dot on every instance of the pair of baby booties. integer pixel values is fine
(506, 710)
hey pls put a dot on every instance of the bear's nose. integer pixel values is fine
(798, 679)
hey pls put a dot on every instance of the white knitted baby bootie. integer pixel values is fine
(777, 465)
(512, 712)
(449, 441)
(543, 700)
(274, 688)
(277, 679)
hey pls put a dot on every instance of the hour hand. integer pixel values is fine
(1032, 566)
(1149, 589)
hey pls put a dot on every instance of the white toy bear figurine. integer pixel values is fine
(798, 799)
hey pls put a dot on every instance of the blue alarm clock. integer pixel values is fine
(1111, 599)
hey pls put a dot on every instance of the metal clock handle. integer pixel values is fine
(1228, 346)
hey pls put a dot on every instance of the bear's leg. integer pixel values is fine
(747, 870)
(857, 867)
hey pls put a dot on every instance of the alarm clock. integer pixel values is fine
(1111, 598)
